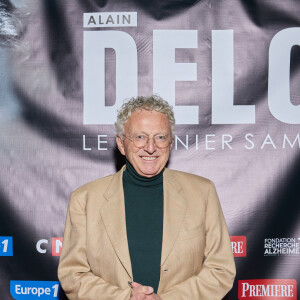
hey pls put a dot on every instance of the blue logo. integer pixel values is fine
(6, 246)
(31, 290)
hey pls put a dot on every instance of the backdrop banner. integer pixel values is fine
(230, 69)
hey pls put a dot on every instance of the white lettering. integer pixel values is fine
(5, 243)
(268, 141)
(270, 290)
(223, 109)
(166, 72)
(226, 141)
(83, 144)
(252, 290)
(38, 245)
(55, 290)
(39, 291)
(207, 141)
(248, 140)
(285, 138)
(237, 247)
(265, 290)
(290, 290)
(245, 288)
(58, 245)
(17, 289)
(185, 145)
(279, 76)
(101, 141)
(95, 42)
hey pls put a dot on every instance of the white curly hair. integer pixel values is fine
(151, 103)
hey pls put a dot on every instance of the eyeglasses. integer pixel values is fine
(141, 140)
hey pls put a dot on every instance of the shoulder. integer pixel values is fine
(188, 178)
(94, 185)
(194, 187)
(94, 192)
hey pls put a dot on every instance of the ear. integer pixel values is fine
(120, 144)
(171, 145)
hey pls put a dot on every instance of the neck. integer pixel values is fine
(133, 176)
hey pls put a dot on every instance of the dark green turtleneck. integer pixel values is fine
(144, 223)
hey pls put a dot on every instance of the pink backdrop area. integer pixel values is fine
(231, 70)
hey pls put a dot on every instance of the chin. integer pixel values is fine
(149, 172)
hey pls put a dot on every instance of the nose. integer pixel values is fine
(150, 146)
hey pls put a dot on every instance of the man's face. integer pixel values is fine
(149, 160)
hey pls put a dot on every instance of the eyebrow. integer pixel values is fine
(144, 133)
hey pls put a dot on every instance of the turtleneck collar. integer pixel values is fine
(134, 177)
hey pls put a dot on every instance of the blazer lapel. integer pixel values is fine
(174, 211)
(113, 216)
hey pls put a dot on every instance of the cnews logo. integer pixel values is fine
(239, 246)
(6, 246)
(268, 289)
(56, 246)
(30, 290)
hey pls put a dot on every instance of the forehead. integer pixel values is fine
(151, 122)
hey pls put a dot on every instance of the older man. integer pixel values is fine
(146, 232)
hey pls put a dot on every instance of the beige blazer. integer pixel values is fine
(196, 261)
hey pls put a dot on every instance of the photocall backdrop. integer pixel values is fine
(230, 68)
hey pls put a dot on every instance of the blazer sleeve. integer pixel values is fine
(217, 274)
(74, 273)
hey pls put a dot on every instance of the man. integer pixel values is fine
(146, 232)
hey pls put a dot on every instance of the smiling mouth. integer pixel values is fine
(149, 157)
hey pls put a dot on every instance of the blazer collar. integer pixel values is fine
(113, 216)
(174, 212)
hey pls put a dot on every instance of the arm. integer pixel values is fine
(74, 272)
(216, 276)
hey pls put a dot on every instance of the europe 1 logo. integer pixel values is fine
(30, 290)
(6, 246)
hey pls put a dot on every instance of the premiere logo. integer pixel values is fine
(239, 246)
(281, 246)
(267, 289)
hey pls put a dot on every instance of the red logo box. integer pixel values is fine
(239, 246)
(56, 245)
(264, 289)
